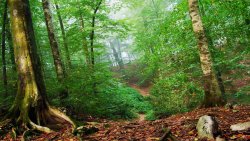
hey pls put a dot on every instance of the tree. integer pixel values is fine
(61, 74)
(65, 42)
(5, 83)
(213, 93)
(117, 55)
(92, 34)
(31, 107)
(53, 42)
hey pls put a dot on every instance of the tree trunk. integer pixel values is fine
(53, 42)
(5, 83)
(55, 48)
(92, 34)
(120, 54)
(65, 42)
(116, 55)
(30, 108)
(213, 94)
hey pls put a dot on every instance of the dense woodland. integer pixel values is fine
(123, 69)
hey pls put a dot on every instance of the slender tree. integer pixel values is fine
(53, 42)
(61, 74)
(92, 34)
(117, 56)
(30, 108)
(120, 53)
(213, 93)
(5, 83)
(65, 42)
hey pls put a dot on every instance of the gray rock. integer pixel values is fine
(207, 127)
(240, 126)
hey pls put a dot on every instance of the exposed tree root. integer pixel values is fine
(40, 128)
(45, 120)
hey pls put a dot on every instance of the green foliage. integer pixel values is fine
(175, 94)
(243, 95)
(112, 101)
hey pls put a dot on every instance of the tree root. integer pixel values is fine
(61, 115)
(42, 121)
(39, 128)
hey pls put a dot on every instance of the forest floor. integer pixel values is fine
(183, 127)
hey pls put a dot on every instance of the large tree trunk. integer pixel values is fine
(53, 42)
(30, 108)
(65, 42)
(61, 75)
(213, 94)
(5, 83)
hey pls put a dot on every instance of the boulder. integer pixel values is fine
(240, 126)
(207, 127)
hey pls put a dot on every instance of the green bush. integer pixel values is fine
(112, 101)
(175, 94)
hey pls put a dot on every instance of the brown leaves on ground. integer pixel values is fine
(183, 126)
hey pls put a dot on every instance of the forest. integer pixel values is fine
(125, 70)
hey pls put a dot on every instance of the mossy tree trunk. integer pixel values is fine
(30, 108)
(213, 93)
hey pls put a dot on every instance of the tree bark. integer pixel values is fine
(213, 94)
(5, 82)
(53, 42)
(60, 71)
(30, 108)
(65, 42)
(92, 34)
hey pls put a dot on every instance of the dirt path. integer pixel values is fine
(144, 91)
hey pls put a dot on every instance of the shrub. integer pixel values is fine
(175, 94)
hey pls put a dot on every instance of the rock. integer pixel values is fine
(240, 126)
(219, 139)
(207, 127)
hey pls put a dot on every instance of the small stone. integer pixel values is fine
(207, 127)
